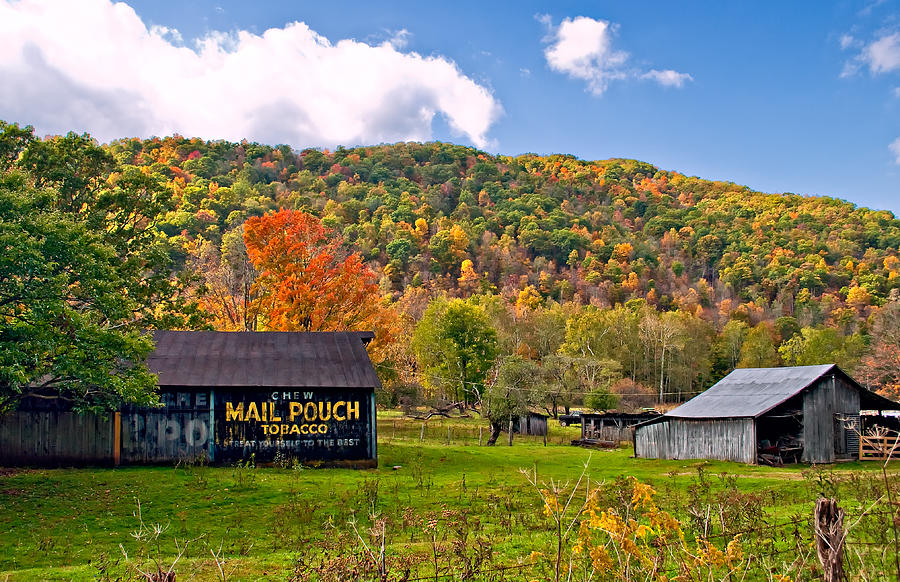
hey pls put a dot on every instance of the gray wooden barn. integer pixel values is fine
(225, 396)
(804, 413)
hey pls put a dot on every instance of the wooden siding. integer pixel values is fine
(651, 441)
(57, 438)
(822, 432)
(732, 439)
(162, 436)
(192, 425)
(532, 424)
(610, 426)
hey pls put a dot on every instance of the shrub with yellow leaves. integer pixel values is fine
(636, 542)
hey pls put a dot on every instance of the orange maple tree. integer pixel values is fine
(308, 281)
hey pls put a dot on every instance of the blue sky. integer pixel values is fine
(797, 97)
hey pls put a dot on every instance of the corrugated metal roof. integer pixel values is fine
(750, 392)
(263, 359)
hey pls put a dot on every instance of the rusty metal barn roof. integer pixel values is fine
(751, 392)
(267, 359)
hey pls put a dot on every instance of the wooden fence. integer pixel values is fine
(878, 448)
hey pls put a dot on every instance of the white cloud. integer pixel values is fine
(400, 39)
(895, 149)
(96, 66)
(582, 48)
(847, 41)
(667, 78)
(882, 55)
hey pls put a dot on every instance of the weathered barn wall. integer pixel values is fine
(651, 441)
(313, 424)
(327, 426)
(227, 396)
(532, 424)
(56, 438)
(609, 433)
(612, 426)
(824, 436)
(676, 438)
(150, 436)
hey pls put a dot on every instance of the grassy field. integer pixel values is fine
(426, 495)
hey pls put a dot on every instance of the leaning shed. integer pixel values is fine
(612, 426)
(802, 413)
(226, 396)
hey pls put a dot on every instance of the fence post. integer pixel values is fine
(480, 431)
(117, 438)
(829, 526)
(448, 436)
(422, 434)
(510, 430)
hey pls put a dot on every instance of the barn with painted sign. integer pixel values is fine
(309, 396)
(226, 396)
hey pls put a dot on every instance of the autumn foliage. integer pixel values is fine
(307, 280)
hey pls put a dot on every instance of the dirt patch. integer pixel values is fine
(9, 472)
(12, 492)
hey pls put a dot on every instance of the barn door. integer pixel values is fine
(846, 435)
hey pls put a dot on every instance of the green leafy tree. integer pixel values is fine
(83, 270)
(516, 389)
(563, 383)
(601, 400)
(727, 346)
(455, 345)
(64, 321)
(758, 349)
(823, 346)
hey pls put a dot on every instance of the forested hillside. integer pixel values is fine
(600, 275)
(599, 232)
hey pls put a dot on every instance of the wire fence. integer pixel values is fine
(770, 548)
(438, 430)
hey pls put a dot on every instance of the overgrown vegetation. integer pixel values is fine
(463, 511)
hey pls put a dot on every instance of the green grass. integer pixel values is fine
(68, 524)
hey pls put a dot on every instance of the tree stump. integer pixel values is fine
(829, 524)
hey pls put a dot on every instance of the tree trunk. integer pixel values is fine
(829, 525)
(662, 369)
(495, 433)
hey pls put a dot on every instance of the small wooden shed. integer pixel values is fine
(533, 423)
(804, 413)
(612, 426)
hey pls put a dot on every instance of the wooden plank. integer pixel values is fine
(117, 439)
(877, 448)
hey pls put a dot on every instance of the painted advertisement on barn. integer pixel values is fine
(309, 424)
